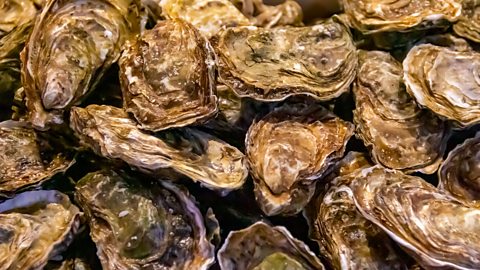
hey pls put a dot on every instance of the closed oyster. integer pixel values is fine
(208, 16)
(459, 175)
(168, 76)
(288, 150)
(273, 64)
(468, 26)
(198, 155)
(445, 81)
(373, 16)
(262, 247)
(26, 159)
(434, 228)
(36, 226)
(287, 13)
(345, 237)
(401, 135)
(137, 226)
(14, 13)
(71, 46)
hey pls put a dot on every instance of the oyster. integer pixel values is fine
(399, 134)
(36, 226)
(445, 81)
(373, 16)
(14, 13)
(434, 228)
(273, 64)
(198, 155)
(459, 175)
(26, 159)
(208, 16)
(345, 237)
(138, 226)
(468, 25)
(287, 13)
(168, 76)
(262, 247)
(71, 46)
(288, 150)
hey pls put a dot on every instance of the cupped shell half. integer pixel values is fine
(373, 16)
(288, 150)
(200, 156)
(168, 76)
(71, 46)
(468, 25)
(262, 247)
(345, 237)
(26, 159)
(36, 226)
(459, 175)
(445, 81)
(287, 13)
(400, 135)
(433, 227)
(273, 64)
(138, 226)
(208, 16)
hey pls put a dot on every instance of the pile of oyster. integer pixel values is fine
(239, 134)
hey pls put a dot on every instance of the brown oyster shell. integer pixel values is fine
(249, 248)
(14, 13)
(138, 226)
(445, 81)
(288, 150)
(208, 16)
(273, 64)
(26, 160)
(168, 77)
(345, 237)
(200, 156)
(459, 175)
(288, 12)
(400, 135)
(373, 16)
(433, 227)
(468, 25)
(73, 43)
(36, 226)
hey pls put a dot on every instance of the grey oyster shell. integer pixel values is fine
(262, 247)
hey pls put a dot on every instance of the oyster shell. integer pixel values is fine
(287, 13)
(288, 150)
(434, 228)
(262, 247)
(445, 81)
(468, 25)
(273, 64)
(208, 16)
(26, 159)
(168, 77)
(14, 13)
(71, 46)
(399, 134)
(36, 226)
(139, 226)
(198, 155)
(373, 16)
(345, 237)
(459, 175)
